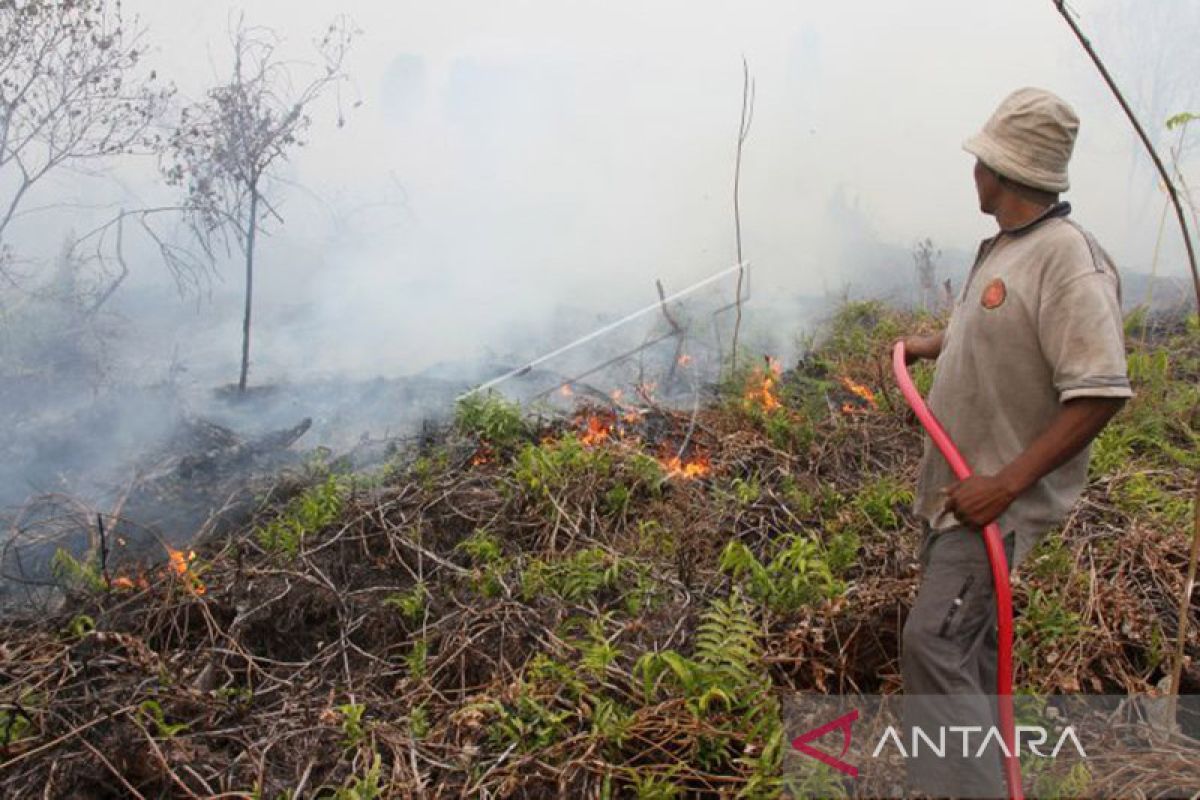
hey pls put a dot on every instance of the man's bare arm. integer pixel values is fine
(918, 347)
(981, 499)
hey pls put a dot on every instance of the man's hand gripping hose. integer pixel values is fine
(995, 551)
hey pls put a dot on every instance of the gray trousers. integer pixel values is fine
(949, 648)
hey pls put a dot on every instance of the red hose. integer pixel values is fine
(995, 552)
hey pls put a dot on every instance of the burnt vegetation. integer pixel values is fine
(608, 605)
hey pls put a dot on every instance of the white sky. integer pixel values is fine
(511, 156)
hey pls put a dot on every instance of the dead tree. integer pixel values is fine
(72, 94)
(225, 147)
(925, 257)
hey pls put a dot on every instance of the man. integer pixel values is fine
(1029, 370)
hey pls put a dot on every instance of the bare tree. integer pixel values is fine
(925, 257)
(226, 147)
(71, 95)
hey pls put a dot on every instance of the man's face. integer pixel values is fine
(987, 186)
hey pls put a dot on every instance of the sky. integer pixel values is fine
(516, 168)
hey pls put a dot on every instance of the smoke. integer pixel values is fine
(521, 173)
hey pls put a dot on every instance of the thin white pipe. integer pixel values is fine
(601, 331)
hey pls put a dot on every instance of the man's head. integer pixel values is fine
(1023, 149)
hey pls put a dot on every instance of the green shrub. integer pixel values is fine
(492, 418)
(797, 575)
(305, 515)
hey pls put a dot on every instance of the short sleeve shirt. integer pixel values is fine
(1038, 323)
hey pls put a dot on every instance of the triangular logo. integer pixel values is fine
(842, 723)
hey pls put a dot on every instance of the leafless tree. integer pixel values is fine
(226, 147)
(72, 94)
(925, 257)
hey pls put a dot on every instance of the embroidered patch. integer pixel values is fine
(993, 294)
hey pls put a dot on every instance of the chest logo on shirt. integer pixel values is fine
(994, 294)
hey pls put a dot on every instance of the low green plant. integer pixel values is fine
(653, 786)
(354, 732)
(153, 711)
(597, 650)
(79, 626)
(426, 468)
(1051, 558)
(15, 725)
(860, 329)
(76, 574)
(799, 502)
(417, 659)
(1141, 494)
(612, 723)
(528, 723)
(482, 546)
(1044, 628)
(305, 515)
(878, 500)
(418, 722)
(486, 556)
(544, 469)
(368, 786)
(574, 578)
(411, 604)
(796, 576)
(724, 683)
(492, 418)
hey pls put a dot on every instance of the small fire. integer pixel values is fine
(597, 431)
(566, 390)
(859, 390)
(481, 457)
(180, 564)
(696, 467)
(122, 582)
(760, 388)
(685, 360)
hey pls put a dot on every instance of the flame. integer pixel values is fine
(121, 582)
(696, 467)
(760, 388)
(180, 564)
(596, 432)
(859, 390)
(566, 390)
(482, 456)
(684, 360)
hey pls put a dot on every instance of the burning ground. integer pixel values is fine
(601, 605)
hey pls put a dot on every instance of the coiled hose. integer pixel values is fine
(995, 551)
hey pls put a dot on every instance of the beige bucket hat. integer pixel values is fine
(1029, 139)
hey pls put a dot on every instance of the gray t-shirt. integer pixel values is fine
(1038, 323)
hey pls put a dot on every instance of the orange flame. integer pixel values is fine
(121, 582)
(696, 467)
(596, 432)
(180, 564)
(760, 388)
(684, 360)
(859, 390)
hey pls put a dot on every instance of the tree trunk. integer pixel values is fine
(253, 228)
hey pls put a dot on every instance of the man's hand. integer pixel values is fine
(979, 499)
(918, 347)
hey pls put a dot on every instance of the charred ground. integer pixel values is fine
(605, 605)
